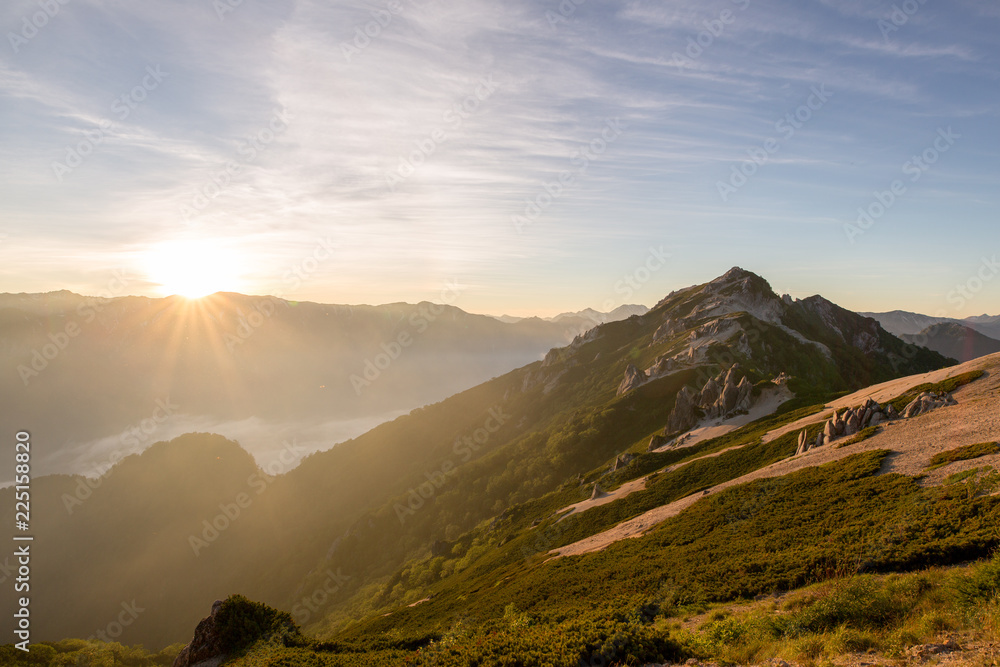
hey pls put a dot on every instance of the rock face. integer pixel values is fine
(803, 443)
(854, 420)
(721, 397)
(926, 402)
(633, 378)
(205, 649)
(686, 411)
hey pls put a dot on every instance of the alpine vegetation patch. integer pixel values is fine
(113, 630)
(122, 107)
(786, 127)
(581, 160)
(453, 118)
(230, 512)
(31, 25)
(308, 605)
(464, 448)
(914, 168)
(714, 28)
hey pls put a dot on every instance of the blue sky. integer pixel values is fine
(274, 147)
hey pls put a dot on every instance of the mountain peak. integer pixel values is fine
(735, 274)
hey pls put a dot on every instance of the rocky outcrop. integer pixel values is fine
(656, 442)
(622, 460)
(721, 397)
(633, 378)
(686, 411)
(803, 443)
(205, 649)
(926, 402)
(854, 420)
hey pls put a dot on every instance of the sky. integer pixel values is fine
(543, 156)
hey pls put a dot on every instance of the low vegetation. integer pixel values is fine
(945, 386)
(966, 453)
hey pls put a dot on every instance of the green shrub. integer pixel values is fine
(242, 622)
(963, 454)
(980, 586)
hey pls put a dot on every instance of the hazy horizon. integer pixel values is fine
(539, 155)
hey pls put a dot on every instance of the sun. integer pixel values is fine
(193, 268)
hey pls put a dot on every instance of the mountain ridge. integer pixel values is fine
(431, 477)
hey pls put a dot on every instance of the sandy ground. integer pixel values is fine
(610, 496)
(768, 403)
(914, 441)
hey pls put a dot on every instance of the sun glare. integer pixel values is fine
(193, 269)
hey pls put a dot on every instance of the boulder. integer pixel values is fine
(727, 402)
(745, 397)
(710, 393)
(830, 431)
(656, 442)
(852, 424)
(684, 414)
(205, 649)
(633, 378)
(803, 443)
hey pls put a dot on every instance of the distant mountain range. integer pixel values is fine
(963, 340)
(389, 519)
(955, 341)
(588, 316)
(901, 322)
(100, 378)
